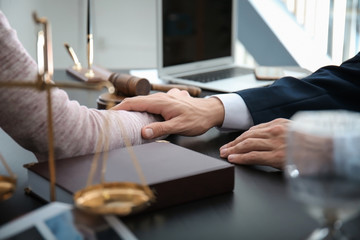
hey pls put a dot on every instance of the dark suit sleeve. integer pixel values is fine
(330, 87)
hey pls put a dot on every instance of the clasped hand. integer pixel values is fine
(182, 113)
(263, 144)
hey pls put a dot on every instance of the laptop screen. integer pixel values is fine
(196, 30)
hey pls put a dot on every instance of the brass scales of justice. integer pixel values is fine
(120, 198)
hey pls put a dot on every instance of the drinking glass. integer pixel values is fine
(323, 167)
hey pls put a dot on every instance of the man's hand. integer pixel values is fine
(182, 113)
(263, 144)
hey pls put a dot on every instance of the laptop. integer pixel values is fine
(196, 45)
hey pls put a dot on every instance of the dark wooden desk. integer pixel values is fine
(258, 208)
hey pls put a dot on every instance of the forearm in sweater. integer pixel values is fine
(23, 111)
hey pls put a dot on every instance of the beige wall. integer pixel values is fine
(124, 30)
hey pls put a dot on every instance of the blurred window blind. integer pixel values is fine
(334, 24)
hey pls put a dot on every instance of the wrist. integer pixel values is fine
(215, 111)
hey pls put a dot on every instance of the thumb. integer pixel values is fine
(155, 130)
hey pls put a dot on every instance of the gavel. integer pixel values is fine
(127, 86)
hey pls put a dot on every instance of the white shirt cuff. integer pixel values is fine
(237, 115)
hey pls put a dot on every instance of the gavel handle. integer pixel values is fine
(193, 91)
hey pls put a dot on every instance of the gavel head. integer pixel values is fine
(128, 85)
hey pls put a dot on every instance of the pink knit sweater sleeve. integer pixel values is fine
(23, 112)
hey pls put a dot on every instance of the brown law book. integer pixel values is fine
(176, 174)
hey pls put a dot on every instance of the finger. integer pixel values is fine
(272, 159)
(184, 93)
(249, 145)
(277, 121)
(230, 144)
(178, 93)
(276, 130)
(159, 129)
(237, 140)
(150, 103)
(129, 104)
(253, 133)
(173, 91)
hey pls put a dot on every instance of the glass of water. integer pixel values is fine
(323, 167)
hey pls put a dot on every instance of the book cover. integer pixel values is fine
(175, 174)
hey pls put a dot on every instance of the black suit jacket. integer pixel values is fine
(330, 87)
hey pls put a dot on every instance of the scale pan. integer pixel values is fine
(120, 198)
(7, 187)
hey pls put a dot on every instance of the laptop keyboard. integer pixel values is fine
(217, 75)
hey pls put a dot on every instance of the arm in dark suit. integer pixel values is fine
(330, 87)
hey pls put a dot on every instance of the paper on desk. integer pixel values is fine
(294, 74)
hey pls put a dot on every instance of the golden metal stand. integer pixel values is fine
(121, 198)
(7, 183)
